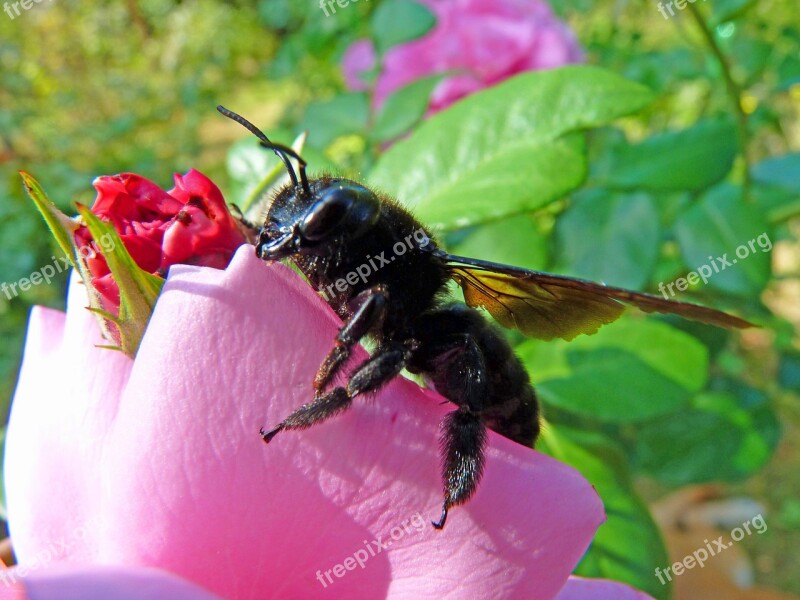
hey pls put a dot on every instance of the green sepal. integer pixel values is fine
(109, 347)
(138, 289)
(103, 313)
(62, 227)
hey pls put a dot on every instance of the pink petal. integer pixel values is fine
(357, 60)
(194, 184)
(452, 89)
(579, 588)
(63, 409)
(100, 583)
(187, 485)
(126, 195)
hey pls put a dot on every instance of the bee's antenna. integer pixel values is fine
(283, 152)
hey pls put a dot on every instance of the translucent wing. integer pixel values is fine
(546, 306)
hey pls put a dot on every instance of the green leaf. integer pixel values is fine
(788, 73)
(61, 226)
(246, 164)
(722, 227)
(628, 546)
(138, 289)
(256, 171)
(789, 371)
(782, 171)
(404, 108)
(341, 115)
(398, 21)
(719, 439)
(670, 352)
(691, 159)
(506, 150)
(725, 10)
(516, 241)
(608, 237)
(613, 386)
(777, 204)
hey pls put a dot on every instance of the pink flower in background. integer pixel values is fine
(481, 41)
(157, 462)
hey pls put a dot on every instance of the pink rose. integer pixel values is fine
(189, 224)
(483, 41)
(157, 461)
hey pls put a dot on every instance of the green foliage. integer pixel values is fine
(404, 109)
(328, 120)
(398, 21)
(628, 544)
(629, 372)
(689, 159)
(517, 142)
(613, 238)
(780, 171)
(719, 224)
(743, 435)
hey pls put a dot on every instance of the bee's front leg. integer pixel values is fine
(249, 229)
(368, 310)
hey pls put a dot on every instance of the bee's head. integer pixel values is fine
(310, 217)
(335, 210)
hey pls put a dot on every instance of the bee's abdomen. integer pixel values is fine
(511, 408)
(471, 364)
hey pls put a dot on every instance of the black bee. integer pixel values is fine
(332, 228)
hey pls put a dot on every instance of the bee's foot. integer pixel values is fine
(268, 435)
(440, 523)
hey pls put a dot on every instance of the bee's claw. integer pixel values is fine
(268, 435)
(440, 523)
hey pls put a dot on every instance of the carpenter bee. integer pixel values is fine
(385, 275)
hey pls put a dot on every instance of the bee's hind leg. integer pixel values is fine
(463, 443)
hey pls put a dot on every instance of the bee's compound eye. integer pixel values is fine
(343, 209)
(326, 215)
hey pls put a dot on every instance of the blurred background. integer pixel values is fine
(131, 85)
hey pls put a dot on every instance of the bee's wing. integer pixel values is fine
(546, 306)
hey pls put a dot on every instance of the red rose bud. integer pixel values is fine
(189, 224)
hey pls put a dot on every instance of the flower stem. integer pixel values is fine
(734, 94)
